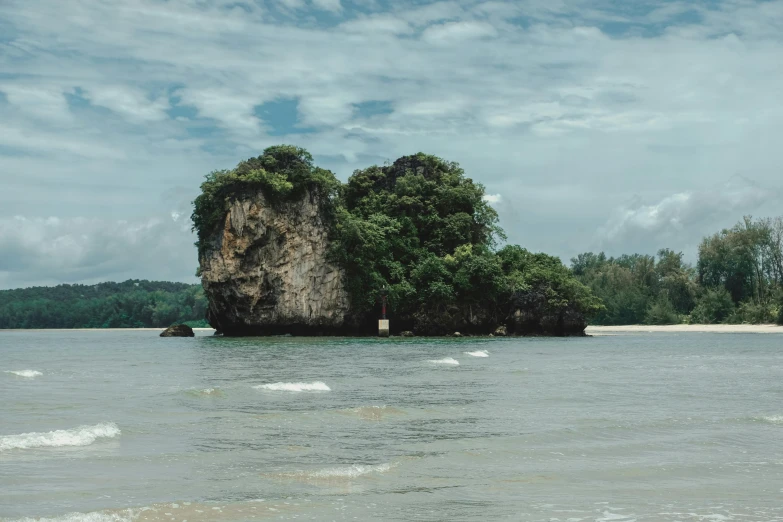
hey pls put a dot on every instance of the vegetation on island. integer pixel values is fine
(418, 231)
(421, 232)
(131, 304)
(738, 278)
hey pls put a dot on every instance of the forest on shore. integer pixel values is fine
(738, 278)
(130, 304)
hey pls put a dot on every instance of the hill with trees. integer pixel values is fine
(130, 304)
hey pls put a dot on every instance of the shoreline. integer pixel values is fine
(685, 328)
(590, 330)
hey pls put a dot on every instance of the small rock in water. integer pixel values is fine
(406, 333)
(456, 334)
(501, 331)
(178, 330)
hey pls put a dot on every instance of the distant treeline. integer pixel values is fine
(738, 279)
(131, 304)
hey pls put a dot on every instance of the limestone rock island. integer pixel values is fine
(285, 248)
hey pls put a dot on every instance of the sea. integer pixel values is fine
(121, 426)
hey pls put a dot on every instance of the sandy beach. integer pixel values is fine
(681, 328)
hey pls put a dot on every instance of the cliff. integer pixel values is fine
(265, 271)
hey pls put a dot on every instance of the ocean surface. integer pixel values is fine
(124, 425)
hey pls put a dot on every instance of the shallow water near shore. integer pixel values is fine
(126, 426)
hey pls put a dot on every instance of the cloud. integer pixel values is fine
(130, 103)
(492, 199)
(328, 5)
(41, 103)
(567, 109)
(40, 251)
(682, 218)
(458, 32)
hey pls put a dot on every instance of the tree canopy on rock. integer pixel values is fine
(418, 231)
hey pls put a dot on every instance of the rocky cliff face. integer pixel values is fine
(266, 272)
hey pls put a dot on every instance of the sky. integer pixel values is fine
(595, 125)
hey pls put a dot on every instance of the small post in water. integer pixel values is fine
(383, 323)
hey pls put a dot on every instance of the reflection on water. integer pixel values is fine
(121, 426)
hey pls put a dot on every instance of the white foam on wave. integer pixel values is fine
(774, 419)
(478, 353)
(335, 476)
(356, 470)
(30, 374)
(294, 386)
(81, 436)
(123, 516)
(446, 360)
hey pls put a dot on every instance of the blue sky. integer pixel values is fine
(594, 125)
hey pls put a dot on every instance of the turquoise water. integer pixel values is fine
(124, 425)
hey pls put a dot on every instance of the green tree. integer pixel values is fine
(713, 306)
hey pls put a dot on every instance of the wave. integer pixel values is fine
(294, 386)
(335, 475)
(81, 436)
(96, 516)
(772, 419)
(478, 353)
(25, 373)
(356, 470)
(165, 512)
(446, 360)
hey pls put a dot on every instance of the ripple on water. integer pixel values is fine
(374, 413)
(193, 512)
(205, 392)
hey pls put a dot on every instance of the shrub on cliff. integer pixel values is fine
(282, 173)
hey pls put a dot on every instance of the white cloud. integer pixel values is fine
(376, 25)
(129, 102)
(681, 218)
(492, 199)
(328, 5)
(451, 32)
(47, 104)
(541, 102)
(36, 251)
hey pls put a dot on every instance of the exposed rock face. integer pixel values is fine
(531, 321)
(266, 272)
(178, 330)
(501, 331)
